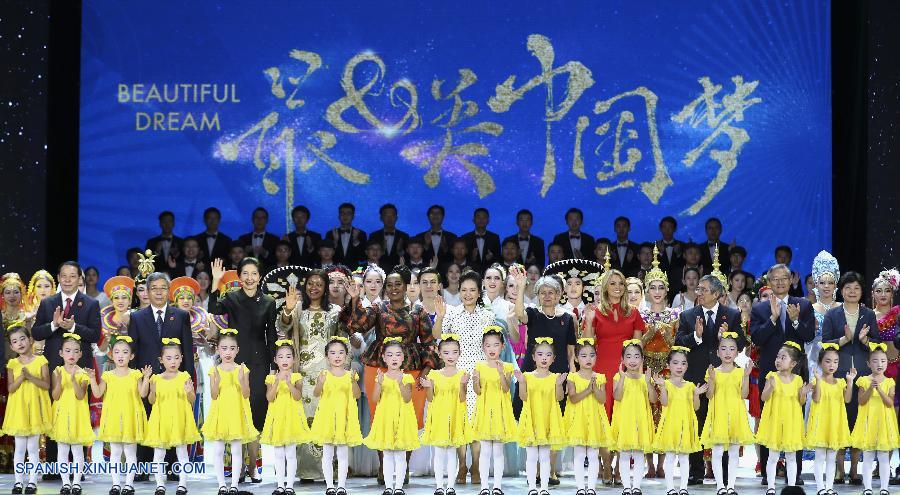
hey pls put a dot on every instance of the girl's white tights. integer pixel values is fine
(62, 457)
(394, 468)
(31, 445)
(734, 451)
(159, 456)
(884, 468)
(343, 459)
(491, 450)
(593, 469)
(532, 456)
(683, 467)
(824, 467)
(445, 457)
(115, 457)
(218, 456)
(790, 461)
(632, 475)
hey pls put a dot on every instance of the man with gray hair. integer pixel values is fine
(699, 329)
(782, 318)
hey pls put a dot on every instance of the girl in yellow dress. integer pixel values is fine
(28, 413)
(632, 422)
(727, 424)
(677, 433)
(171, 423)
(493, 423)
(447, 422)
(586, 424)
(124, 419)
(875, 432)
(541, 424)
(781, 424)
(285, 425)
(71, 416)
(336, 423)
(826, 429)
(394, 427)
(229, 419)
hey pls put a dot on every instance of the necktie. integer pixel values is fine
(68, 309)
(783, 314)
(159, 322)
(710, 319)
(575, 310)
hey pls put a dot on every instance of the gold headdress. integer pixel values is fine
(716, 272)
(655, 274)
(12, 279)
(606, 263)
(31, 300)
(146, 265)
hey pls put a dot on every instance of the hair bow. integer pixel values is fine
(450, 336)
(392, 339)
(492, 329)
(729, 335)
(877, 347)
(228, 330)
(681, 348)
(585, 341)
(68, 335)
(544, 340)
(792, 344)
(124, 338)
(829, 345)
(282, 342)
(347, 341)
(169, 341)
(629, 342)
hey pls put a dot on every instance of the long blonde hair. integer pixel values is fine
(603, 304)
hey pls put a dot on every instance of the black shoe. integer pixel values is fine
(128, 490)
(30, 489)
(160, 490)
(387, 491)
(141, 478)
(451, 491)
(554, 481)
(532, 492)
(635, 491)
(399, 492)
(65, 490)
(770, 491)
(582, 491)
(330, 491)
(544, 492)
(278, 491)
(51, 477)
(495, 491)
(721, 491)
(867, 492)
(341, 491)
(17, 488)
(484, 491)
(884, 492)
(683, 492)
(181, 491)
(76, 489)
(288, 491)
(670, 492)
(695, 481)
(232, 491)
(731, 491)
(764, 481)
(115, 490)
(436, 492)
(856, 481)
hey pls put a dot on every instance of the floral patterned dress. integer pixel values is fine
(661, 328)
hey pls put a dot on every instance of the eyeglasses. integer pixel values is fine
(701, 290)
(779, 279)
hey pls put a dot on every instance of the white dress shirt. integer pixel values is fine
(706, 316)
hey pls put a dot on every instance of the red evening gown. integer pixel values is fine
(609, 335)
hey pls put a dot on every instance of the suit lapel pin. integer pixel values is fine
(171, 318)
(80, 303)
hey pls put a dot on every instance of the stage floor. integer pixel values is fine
(205, 484)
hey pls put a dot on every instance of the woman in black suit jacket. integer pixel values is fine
(851, 326)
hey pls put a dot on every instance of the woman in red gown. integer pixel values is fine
(611, 321)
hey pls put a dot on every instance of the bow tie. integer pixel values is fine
(667, 244)
(190, 263)
(526, 239)
(574, 236)
(479, 236)
(211, 236)
(389, 233)
(622, 244)
(166, 238)
(438, 233)
(345, 231)
(258, 236)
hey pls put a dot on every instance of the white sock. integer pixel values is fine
(78, 460)
(884, 468)
(868, 459)
(159, 456)
(684, 465)
(717, 452)
(130, 460)
(830, 468)
(399, 468)
(237, 463)
(499, 463)
(328, 465)
(290, 456)
(278, 466)
(484, 461)
(531, 461)
(62, 457)
(343, 462)
(115, 459)
(439, 461)
(580, 452)
(544, 458)
(771, 463)
(637, 473)
(182, 454)
(19, 458)
(387, 469)
(452, 466)
(625, 468)
(218, 458)
(734, 456)
(669, 466)
(34, 455)
(819, 469)
(790, 461)
(593, 471)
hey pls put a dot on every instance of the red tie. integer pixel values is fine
(575, 310)
(68, 307)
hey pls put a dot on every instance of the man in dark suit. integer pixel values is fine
(304, 242)
(147, 327)
(483, 245)
(213, 244)
(708, 248)
(68, 311)
(531, 247)
(349, 241)
(259, 243)
(699, 329)
(783, 256)
(437, 241)
(415, 252)
(670, 248)
(166, 244)
(393, 242)
(781, 318)
(574, 242)
(623, 255)
(189, 263)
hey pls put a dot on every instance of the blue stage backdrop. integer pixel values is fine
(644, 109)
